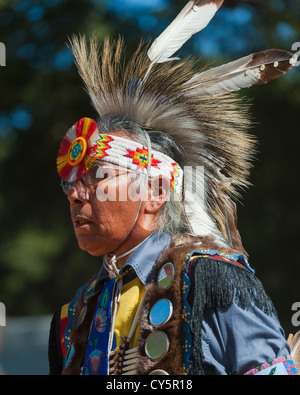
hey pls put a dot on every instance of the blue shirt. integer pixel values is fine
(237, 340)
(143, 259)
(234, 340)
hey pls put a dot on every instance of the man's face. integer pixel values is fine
(103, 214)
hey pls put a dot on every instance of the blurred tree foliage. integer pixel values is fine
(41, 265)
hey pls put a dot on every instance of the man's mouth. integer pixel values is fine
(78, 222)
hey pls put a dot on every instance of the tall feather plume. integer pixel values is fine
(254, 69)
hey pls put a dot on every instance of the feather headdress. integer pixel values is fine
(197, 109)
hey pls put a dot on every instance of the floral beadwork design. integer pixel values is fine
(97, 353)
(94, 362)
(100, 320)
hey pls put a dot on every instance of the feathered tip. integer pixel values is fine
(254, 69)
(193, 18)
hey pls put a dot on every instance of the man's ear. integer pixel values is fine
(158, 194)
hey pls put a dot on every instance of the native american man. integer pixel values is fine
(151, 187)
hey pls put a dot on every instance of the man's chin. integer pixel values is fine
(95, 253)
(91, 249)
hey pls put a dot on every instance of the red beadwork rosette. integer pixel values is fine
(77, 151)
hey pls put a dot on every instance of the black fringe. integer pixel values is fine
(55, 357)
(219, 284)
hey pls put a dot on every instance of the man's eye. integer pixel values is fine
(99, 173)
(104, 173)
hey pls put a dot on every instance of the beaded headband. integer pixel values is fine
(83, 144)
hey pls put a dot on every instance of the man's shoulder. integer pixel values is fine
(212, 257)
(221, 280)
(200, 248)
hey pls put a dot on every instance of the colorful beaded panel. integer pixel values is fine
(186, 316)
(67, 318)
(281, 366)
(97, 353)
(237, 259)
(132, 155)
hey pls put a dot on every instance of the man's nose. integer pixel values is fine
(79, 194)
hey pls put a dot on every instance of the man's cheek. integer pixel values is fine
(106, 192)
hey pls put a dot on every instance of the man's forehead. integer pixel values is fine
(108, 165)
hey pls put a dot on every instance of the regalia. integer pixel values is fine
(205, 268)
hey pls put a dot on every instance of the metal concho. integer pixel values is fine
(157, 345)
(159, 372)
(165, 275)
(160, 312)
